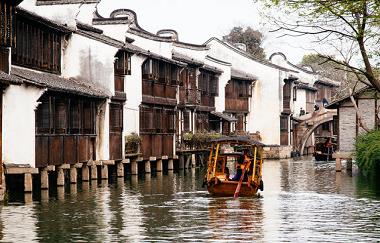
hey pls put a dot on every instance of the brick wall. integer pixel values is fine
(367, 109)
(347, 127)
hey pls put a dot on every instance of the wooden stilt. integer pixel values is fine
(120, 169)
(147, 167)
(94, 172)
(28, 182)
(44, 179)
(134, 167)
(104, 172)
(85, 173)
(61, 177)
(73, 174)
(338, 165)
(170, 164)
(159, 165)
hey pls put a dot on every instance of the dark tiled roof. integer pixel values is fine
(59, 2)
(87, 27)
(187, 59)
(238, 74)
(212, 69)
(9, 79)
(57, 83)
(224, 116)
(335, 104)
(159, 57)
(306, 86)
(328, 82)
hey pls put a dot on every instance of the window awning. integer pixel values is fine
(224, 116)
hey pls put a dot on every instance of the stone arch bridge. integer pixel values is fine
(307, 125)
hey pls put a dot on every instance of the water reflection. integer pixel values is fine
(303, 201)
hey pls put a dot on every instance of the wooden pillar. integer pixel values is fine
(85, 173)
(28, 182)
(44, 179)
(61, 177)
(159, 165)
(94, 172)
(73, 174)
(181, 164)
(338, 165)
(120, 169)
(147, 167)
(134, 167)
(349, 165)
(170, 164)
(104, 172)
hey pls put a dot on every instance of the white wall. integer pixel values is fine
(64, 13)
(19, 104)
(133, 89)
(265, 104)
(89, 60)
(300, 102)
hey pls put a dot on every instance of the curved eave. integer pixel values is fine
(249, 56)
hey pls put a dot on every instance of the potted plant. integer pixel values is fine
(132, 143)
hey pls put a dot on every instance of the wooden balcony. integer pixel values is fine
(237, 105)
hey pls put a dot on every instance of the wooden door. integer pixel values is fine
(116, 130)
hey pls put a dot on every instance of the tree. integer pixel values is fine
(253, 39)
(340, 24)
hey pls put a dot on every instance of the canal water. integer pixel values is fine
(303, 201)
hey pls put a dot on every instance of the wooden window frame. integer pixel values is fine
(37, 46)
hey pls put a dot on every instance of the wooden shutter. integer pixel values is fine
(75, 123)
(88, 118)
(60, 116)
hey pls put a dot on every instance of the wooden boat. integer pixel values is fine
(242, 154)
(325, 146)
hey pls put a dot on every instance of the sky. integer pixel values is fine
(198, 20)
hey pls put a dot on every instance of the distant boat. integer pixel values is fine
(245, 156)
(325, 146)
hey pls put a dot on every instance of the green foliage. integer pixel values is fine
(253, 39)
(350, 27)
(199, 140)
(368, 152)
(132, 142)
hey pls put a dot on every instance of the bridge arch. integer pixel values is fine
(310, 131)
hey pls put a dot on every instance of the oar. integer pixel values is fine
(241, 180)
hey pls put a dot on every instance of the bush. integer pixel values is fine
(199, 140)
(368, 152)
(132, 143)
